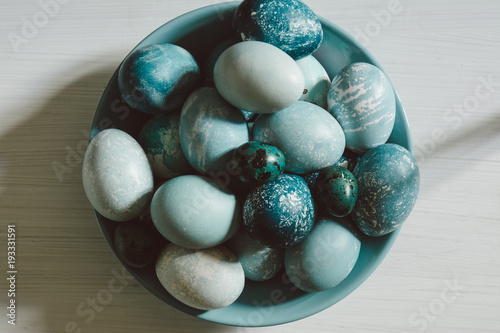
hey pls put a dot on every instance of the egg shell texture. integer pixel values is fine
(280, 213)
(289, 25)
(158, 78)
(258, 77)
(325, 258)
(209, 130)
(362, 99)
(194, 212)
(316, 81)
(205, 279)
(308, 135)
(388, 184)
(160, 140)
(116, 176)
(336, 189)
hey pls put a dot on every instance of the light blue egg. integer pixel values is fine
(258, 77)
(194, 212)
(308, 135)
(205, 279)
(388, 185)
(325, 258)
(316, 81)
(259, 262)
(210, 129)
(116, 176)
(362, 99)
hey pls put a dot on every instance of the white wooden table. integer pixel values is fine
(443, 273)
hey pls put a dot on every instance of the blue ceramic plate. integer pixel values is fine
(262, 303)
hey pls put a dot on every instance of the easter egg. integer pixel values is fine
(348, 160)
(388, 184)
(116, 176)
(258, 77)
(289, 25)
(362, 99)
(194, 212)
(258, 163)
(280, 213)
(316, 81)
(158, 78)
(206, 279)
(212, 57)
(209, 130)
(336, 190)
(308, 135)
(325, 258)
(159, 138)
(259, 262)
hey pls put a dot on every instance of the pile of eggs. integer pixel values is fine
(251, 163)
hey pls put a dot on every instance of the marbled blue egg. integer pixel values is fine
(116, 176)
(258, 77)
(316, 81)
(362, 99)
(259, 262)
(194, 212)
(210, 129)
(280, 213)
(159, 138)
(325, 258)
(388, 184)
(158, 78)
(206, 279)
(336, 190)
(289, 25)
(308, 135)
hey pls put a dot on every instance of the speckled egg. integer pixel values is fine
(116, 176)
(336, 190)
(209, 130)
(205, 279)
(158, 78)
(308, 135)
(258, 163)
(316, 81)
(258, 77)
(388, 184)
(159, 138)
(259, 262)
(325, 258)
(280, 213)
(194, 212)
(362, 99)
(289, 25)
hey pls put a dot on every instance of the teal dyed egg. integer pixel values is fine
(325, 258)
(336, 190)
(194, 212)
(362, 99)
(316, 81)
(160, 140)
(388, 184)
(116, 176)
(308, 135)
(258, 163)
(348, 160)
(205, 279)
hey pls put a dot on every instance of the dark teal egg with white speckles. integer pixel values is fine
(159, 138)
(289, 25)
(116, 176)
(336, 190)
(280, 213)
(362, 99)
(258, 163)
(388, 184)
(348, 160)
(158, 78)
